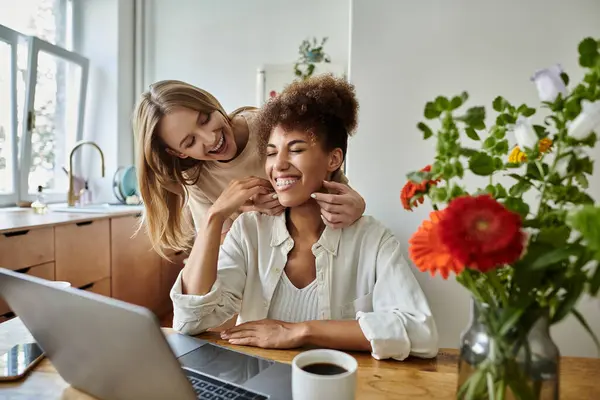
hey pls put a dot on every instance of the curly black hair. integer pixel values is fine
(324, 106)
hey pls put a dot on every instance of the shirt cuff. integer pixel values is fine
(190, 307)
(387, 337)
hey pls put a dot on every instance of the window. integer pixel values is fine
(42, 98)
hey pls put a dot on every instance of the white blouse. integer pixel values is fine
(361, 274)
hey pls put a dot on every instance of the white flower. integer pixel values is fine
(561, 166)
(525, 134)
(587, 121)
(549, 83)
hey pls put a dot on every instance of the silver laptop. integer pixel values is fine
(115, 350)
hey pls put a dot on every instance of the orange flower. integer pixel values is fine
(411, 189)
(428, 252)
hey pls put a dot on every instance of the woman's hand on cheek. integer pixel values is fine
(267, 333)
(341, 207)
(238, 193)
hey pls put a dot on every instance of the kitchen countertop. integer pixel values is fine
(14, 219)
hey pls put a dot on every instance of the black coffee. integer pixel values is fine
(324, 369)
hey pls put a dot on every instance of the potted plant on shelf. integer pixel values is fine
(311, 53)
(525, 264)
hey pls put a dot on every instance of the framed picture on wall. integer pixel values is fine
(271, 79)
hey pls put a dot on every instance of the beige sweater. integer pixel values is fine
(216, 176)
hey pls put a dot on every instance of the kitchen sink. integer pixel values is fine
(102, 208)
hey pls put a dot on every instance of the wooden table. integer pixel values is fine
(410, 379)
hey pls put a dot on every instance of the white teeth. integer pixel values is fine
(219, 145)
(286, 182)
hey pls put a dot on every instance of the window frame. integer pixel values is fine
(37, 45)
(11, 38)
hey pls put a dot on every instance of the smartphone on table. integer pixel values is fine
(19, 360)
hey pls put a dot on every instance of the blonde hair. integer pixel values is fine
(163, 178)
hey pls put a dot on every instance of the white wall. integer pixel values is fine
(104, 32)
(404, 53)
(218, 45)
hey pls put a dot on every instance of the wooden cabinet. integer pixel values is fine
(136, 267)
(101, 255)
(44, 271)
(25, 248)
(82, 252)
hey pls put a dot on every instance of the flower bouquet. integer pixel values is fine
(525, 263)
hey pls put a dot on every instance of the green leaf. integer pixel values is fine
(586, 220)
(474, 117)
(500, 191)
(427, 132)
(464, 96)
(588, 60)
(556, 236)
(588, 46)
(519, 188)
(586, 326)
(456, 191)
(490, 189)
(501, 147)
(540, 131)
(471, 133)
(565, 78)
(517, 205)
(442, 103)
(458, 169)
(489, 142)
(498, 132)
(512, 165)
(481, 164)
(418, 176)
(431, 111)
(455, 103)
(554, 257)
(582, 180)
(464, 151)
(499, 104)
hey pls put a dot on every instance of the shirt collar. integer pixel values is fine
(330, 238)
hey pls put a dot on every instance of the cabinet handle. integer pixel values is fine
(17, 233)
(88, 286)
(9, 314)
(138, 215)
(84, 223)
(23, 270)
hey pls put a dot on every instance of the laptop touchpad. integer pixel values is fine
(224, 364)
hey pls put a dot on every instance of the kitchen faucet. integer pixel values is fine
(72, 196)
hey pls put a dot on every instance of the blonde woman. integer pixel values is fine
(190, 149)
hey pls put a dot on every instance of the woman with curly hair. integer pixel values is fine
(294, 280)
(190, 149)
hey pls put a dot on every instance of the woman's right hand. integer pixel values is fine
(238, 193)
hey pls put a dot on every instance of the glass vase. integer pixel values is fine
(514, 366)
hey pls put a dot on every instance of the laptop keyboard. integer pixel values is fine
(213, 389)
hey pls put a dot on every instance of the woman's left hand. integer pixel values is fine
(266, 333)
(342, 206)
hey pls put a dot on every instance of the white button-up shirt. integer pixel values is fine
(360, 274)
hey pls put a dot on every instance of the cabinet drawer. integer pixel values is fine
(82, 252)
(44, 271)
(101, 287)
(26, 248)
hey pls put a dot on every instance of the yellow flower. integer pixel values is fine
(516, 156)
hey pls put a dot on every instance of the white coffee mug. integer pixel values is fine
(62, 284)
(315, 386)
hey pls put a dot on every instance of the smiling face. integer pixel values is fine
(297, 165)
(189, 133)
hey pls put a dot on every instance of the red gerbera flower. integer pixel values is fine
(411, 189)
(428, 252)
(481, 233)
